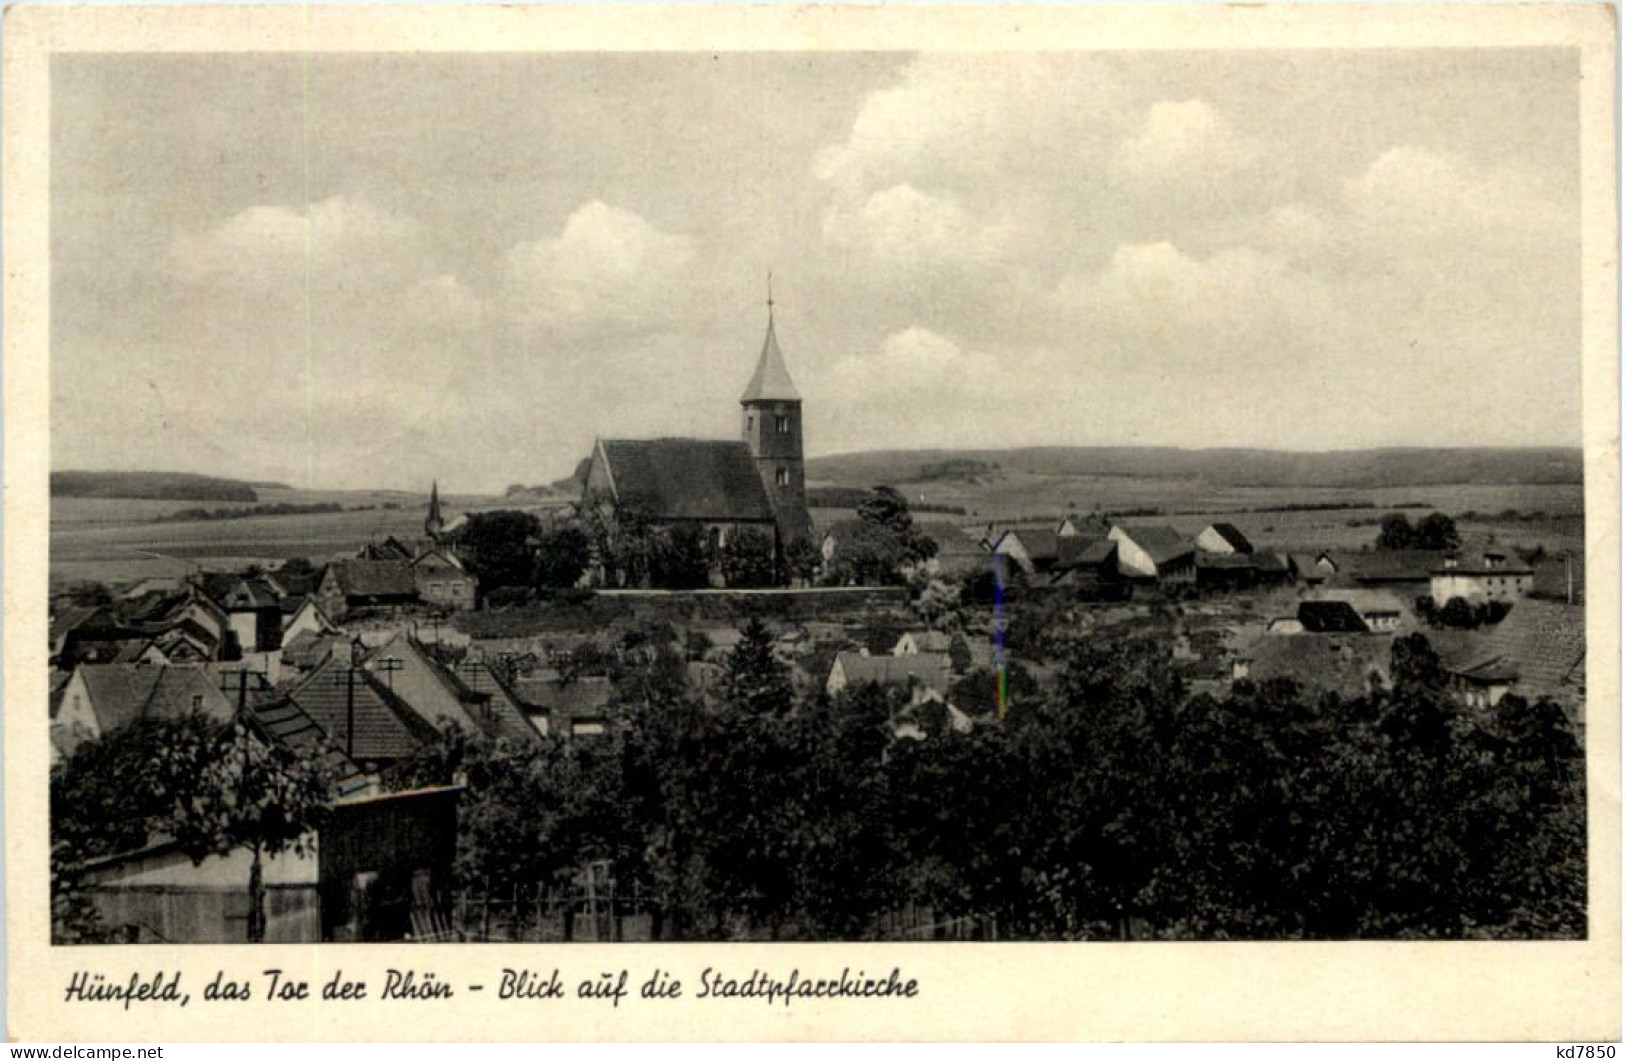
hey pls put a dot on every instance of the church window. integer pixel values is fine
(782, 424)
(782, 476)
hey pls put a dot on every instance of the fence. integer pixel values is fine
(541, 915)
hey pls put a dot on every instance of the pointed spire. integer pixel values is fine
(434, 523)
(771, 381)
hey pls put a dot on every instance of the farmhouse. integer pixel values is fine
(1542, 642)
(1223, 539)
(442, 580)
(103, 697)
(1154, 552)
(720, 487)
(926, 675)
(255, 614)
(348, 585)
(1490, 579)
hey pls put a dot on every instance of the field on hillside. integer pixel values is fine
(116, 540)
(1189, 504)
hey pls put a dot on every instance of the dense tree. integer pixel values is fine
(212, 788)
(1115, 805)
(1435, 531)
(679, 557)
(748, 561)
(754, 681)
(802, 559)
(562, 556)
(497, 547)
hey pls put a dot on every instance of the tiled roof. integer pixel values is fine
(1340, 663)
(1553, 576)
(249, 594)
(929, 669)
(280, 718)
(685, 478)
(1161, 542)
(375, 578)
(1039, 542)
(1330, 617)
(385, 727)
(507, 714)
(308, 648)
(1388, 565)
(952, 542)
(929, 640)
(1496, 669)
(1076, 551)
(1544, 641)
(1232, 535)
(1270, 563)
(122, 693)
(563, 700)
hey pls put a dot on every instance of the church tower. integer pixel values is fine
(434, 524)
(772, 426)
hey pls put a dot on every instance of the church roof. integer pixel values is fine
(687, 478)
(772, 379)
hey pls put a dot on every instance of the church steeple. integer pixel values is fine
(772, 430)
(434, 523)
(772, 381)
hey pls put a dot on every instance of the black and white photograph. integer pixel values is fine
(859, 495)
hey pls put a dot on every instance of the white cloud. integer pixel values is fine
(607, 268)
(1165, 310)
(904, 226)
(272, 245)
(1188, 145)
(1413, 194)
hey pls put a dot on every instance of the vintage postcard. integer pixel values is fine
(796, 523)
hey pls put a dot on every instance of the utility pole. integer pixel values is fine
(389, 667)
(349, 708)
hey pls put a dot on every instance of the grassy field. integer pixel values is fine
(116, 540)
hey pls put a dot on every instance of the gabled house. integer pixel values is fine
(925, 675)
(1490, 578)
(1542, 642)
(958, 553)
(913, 642)
(1154, 551)
(1223, 539)
(1330, 617)
(1089, 565)
(1484, 683)
(1311, 568)
(361, 716)
(101, 698)
(348, 585)
(391, 548)
(439, 694)
(307, 618)
(254, 612)
(443, 581)
(568, 707)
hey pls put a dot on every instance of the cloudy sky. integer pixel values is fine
(370, 271)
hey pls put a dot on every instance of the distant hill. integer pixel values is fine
(151, 486)
(1369, 469)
